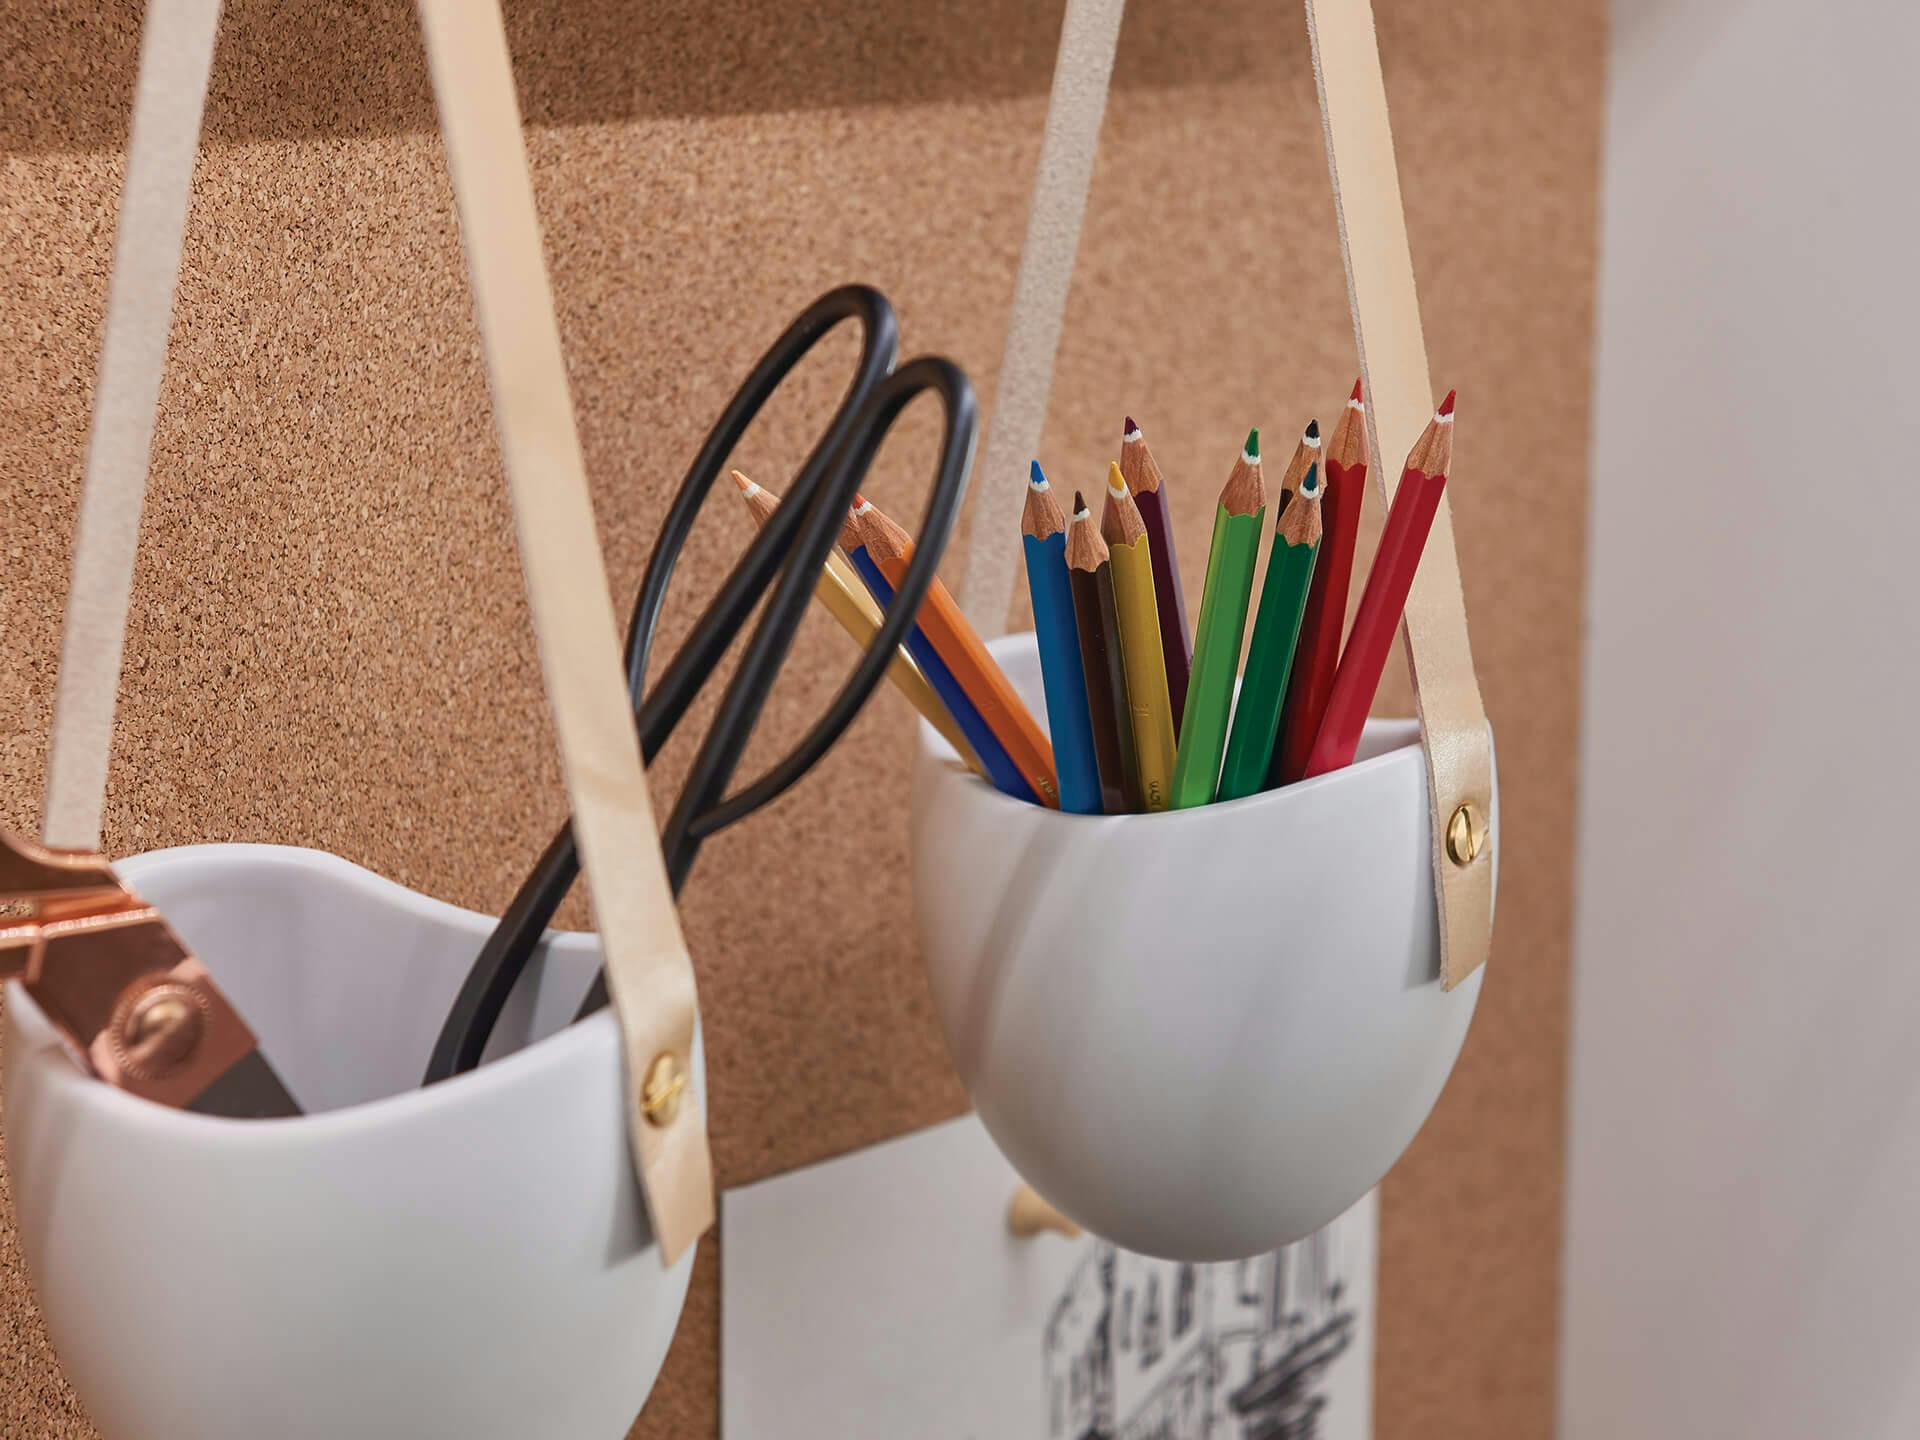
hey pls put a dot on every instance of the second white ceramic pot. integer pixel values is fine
(1202, 1034)
(469, 1260)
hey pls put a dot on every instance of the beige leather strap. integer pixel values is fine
(176, 55)
(649, 973)
(1393, 359)
(1088, 36)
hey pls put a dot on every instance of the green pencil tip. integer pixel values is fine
(1253, 443)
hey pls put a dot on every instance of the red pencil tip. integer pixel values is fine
(1446, 405)
(858, 499)
(1356, 391)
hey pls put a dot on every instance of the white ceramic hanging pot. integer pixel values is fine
(1201, 1034)
(471, 1259)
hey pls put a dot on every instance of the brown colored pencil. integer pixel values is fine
(1097, 619)
(1144, 483)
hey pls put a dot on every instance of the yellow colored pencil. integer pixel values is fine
(1148, 700)
(848, 600)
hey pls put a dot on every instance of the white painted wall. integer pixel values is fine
(1743, 1248)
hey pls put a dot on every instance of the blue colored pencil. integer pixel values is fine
(1043, 534)
(1001, 770)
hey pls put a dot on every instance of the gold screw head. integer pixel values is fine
(1466, 836)
(660, 1093)
(158, 1030)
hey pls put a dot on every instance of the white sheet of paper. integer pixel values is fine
(881, 1295)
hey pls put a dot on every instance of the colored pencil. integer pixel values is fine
(1144, 483)
(846, 598)
(1148, 703)
(1223, 620)
(1043, 531)
(1342, 498)
(1276, 629)
(1385, 596)
(1001, 772)
(1098, 621)
(890, 550)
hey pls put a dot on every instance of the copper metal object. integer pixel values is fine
(122, 987)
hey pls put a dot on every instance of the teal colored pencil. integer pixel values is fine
(1276, 633)
(1043, 536)
(1223, 620)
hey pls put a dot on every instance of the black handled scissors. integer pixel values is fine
(792, 546)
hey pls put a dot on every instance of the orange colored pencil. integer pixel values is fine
(959, 646)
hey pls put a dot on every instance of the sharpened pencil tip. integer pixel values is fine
(747, 487)
(1036, 477)
(1116, 482)
(1355, 396)
(1079, 506)
(1253, 444)
(1313, 429)
(1446, 405)
(1132, 429)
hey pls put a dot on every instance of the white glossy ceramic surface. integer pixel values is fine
(470, 1260)
(1202, 1034)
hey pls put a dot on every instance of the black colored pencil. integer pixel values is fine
(1097, 619)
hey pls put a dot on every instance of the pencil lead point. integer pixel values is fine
(1356, 396)
(1446, 405)
(1313, 429)
(1132, 432)
(1036, 477)
(1079, 506)
(1253, 444)
(1116, 482)
(747, 487)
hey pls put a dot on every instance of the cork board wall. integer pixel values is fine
(329, 644)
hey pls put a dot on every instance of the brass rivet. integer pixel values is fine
(160, 1030)
(1466, 836)
(660, 1095)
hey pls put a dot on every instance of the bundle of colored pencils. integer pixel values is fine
(1142, 708)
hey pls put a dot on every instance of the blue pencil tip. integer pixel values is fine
(1037, 477)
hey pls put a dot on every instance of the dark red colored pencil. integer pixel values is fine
(1341, 501)
(1381, 603)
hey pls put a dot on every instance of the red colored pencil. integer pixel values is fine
(1342, 498)
(1394, 564)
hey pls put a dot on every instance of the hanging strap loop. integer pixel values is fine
(1393, 362)
(649, 973)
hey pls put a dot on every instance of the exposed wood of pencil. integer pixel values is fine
(1149, 701)
(1245, 492)
(976, 671)
(1095, 615)
(1142, 474)
(847, 599)
(1343, 498)
(1306, 453)
(1042, 516)
(1302, 524)
(1409, 520)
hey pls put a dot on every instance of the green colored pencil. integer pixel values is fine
(1276, 629)
(1223, 620)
